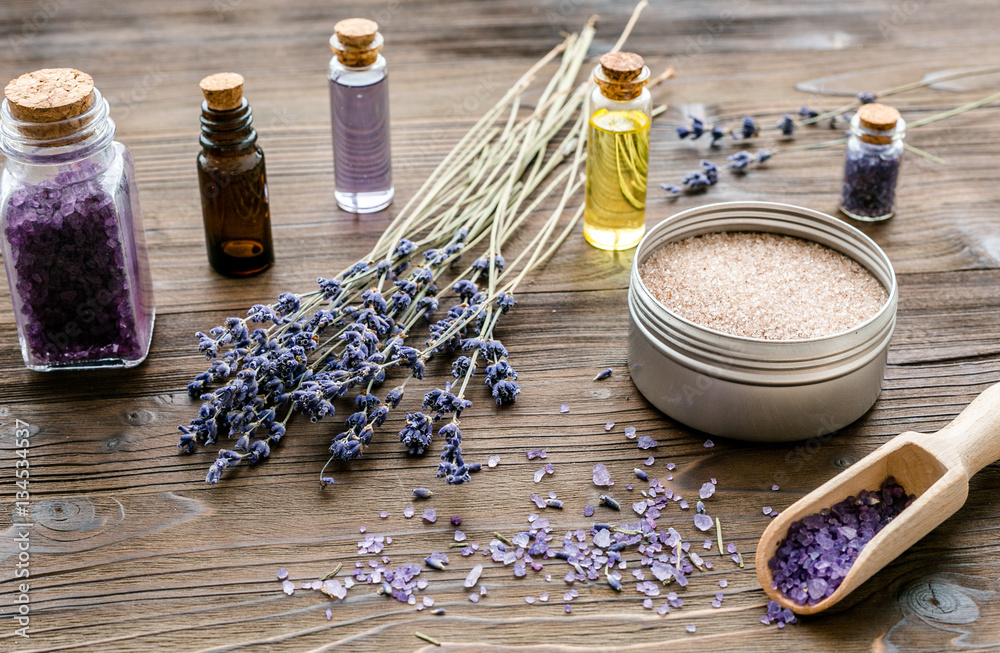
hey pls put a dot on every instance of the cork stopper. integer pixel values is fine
(880, 117)
(356, 42)
(50, 95)
(223, 91)
(621, 75)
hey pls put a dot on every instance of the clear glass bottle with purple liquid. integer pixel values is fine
(73, 243)
(359, 110)
(871, 170)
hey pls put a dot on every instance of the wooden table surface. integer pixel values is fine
(132, 551)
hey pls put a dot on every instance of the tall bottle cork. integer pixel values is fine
(50, 98)
(356, 42)
(878, 117)
(623, 75)
(223, 91)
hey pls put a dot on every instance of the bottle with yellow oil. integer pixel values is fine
(617, 152)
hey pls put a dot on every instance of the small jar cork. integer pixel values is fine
(621, 75)
(51, 98)
(223, 91)
(356, 42)
(880, 118)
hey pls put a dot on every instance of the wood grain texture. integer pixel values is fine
(133, 552)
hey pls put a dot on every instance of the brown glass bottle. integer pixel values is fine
(233, 181)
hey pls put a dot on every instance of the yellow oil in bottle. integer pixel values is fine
(617, 161)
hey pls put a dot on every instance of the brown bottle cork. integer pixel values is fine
(878, 117)
(356, 42)
(223, 91)
(50, 95)
(621, 75)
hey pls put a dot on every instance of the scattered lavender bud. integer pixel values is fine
(642, 476)
(430, 515)
(603, 374)
(554, 503)
(605, 500)
(422, 493)
(602, 477)
(866, 97)
(646, 442)
(437, 611)
(630, 432)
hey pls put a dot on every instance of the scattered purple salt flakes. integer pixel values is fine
(682, 504)
(719, 596)
(671, 466)
(539, 475)
(691, 628)
(564, 408)
(628, 487)
(288, 587)
(649, 461)
(474, 597)
(773, 514)
(588, 510)
(602, 477)
(639, 507)
(731, 547)
(708, 444)
(663, 609)
(707, 544)
(460, 536)
(775, 488)
(568, 608)
(493, 461)
(707, 490)
(703, 523)
(430, 515)
(383, 514)
(329, 614)
(482, 590)
(473, 577)
(408, 511)
(716, 604)
(536, 453)
(529, 599)
(646, 442)
(427, 601)
(544, 597)
(539, 501)
(647, 603)
(630, 432)
(767, 510)
(609, 425)
(363, 529)
(282, 574)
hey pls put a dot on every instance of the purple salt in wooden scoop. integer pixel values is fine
(936, 467)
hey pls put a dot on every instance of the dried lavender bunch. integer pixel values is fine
(306, 351)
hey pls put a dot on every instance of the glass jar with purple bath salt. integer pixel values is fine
(73, 243)
(359, 110)
(874, 152)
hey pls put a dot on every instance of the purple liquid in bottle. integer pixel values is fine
(359, 108)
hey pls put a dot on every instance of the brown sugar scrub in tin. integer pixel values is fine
(762, 285)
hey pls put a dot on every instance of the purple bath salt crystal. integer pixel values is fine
(707, 490)
(709, 444)
(646, 442)
(703, 522)
(602, 477)
(691, 628)
(630, 432)
(288, 587)
(819, 550)
(588, 510)
(535, 453)
(282, 574)
(383, 514)
(80, 282)
(539, 474)
(492, 461)
(564, 408)
(473, 577)
(329, 614)
(649, 461)
(408, 511)
(609, 425)
(539, 501)
(430, 515)
(456, 520)
(775, 488)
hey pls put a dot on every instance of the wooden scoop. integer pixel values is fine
(936, 467)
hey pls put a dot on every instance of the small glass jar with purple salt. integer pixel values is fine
(73, 243)
(874, 153)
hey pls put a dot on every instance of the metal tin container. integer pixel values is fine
(748, 388)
